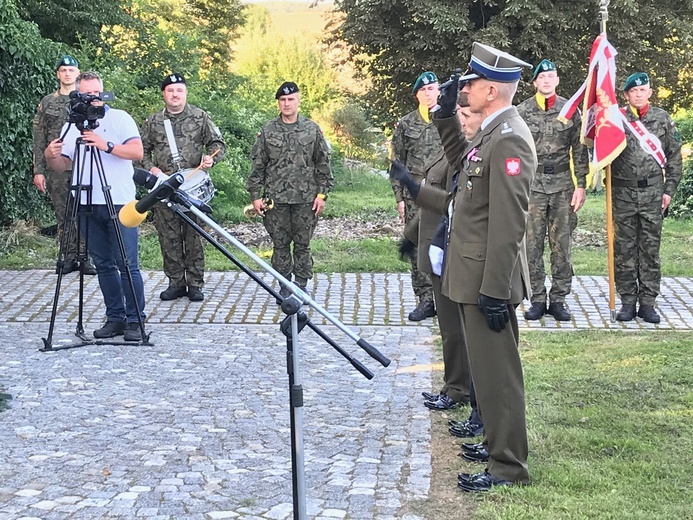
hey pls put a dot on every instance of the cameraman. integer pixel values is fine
(118, 138)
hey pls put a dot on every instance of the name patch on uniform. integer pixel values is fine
(512, 166)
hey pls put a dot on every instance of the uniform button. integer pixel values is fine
(478, 255)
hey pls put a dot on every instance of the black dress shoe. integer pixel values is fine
(429, 396)
(468, 477)
(558, 311)
(627, 312)
(424, 309)
(442, 403)
(173, 293)
(475, 456)
(536, 311)
(468, 446)
(195, 294)
(648, 313)
(110, 330)
(466, 430)
(482, 483)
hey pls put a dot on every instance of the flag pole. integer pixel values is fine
(604, 10)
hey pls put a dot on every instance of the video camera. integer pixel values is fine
(82, 113)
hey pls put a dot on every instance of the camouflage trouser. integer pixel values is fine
(420, 282)
(550, 212)
(637, 236)
(288, 223)
(181, 248)
(58, 185)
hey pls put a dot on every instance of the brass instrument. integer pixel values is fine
(249, 211)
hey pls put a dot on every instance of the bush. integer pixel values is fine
(682, 204)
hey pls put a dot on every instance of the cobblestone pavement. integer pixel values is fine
(197, 425)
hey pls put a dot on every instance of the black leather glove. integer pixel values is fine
(495, 311)
(400, 173)
(406, 249)
(447, 98)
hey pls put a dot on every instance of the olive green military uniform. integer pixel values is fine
(414, 143)
(551, 195)
(638, 184)
(485, 255)
(196, 136)
(50, 117)
(291, 166)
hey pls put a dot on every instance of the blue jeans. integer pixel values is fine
(113, 279)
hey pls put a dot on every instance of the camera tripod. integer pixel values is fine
(294, 322)
(76, 221)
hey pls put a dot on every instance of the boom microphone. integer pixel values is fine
(135, 211)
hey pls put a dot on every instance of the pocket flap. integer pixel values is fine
(474, 251)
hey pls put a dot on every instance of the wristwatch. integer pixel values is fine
(110, 147)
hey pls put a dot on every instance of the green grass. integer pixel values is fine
(610, 423)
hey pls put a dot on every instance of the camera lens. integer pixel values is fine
(144, 178)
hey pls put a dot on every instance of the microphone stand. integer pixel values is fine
(76, 212)
(294, 322)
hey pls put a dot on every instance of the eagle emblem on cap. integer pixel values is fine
(287, 90)
(638, 81)
(66, 61)
(545, 66)
(425, 80)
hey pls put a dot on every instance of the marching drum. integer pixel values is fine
(197, 184)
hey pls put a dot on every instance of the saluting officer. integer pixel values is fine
(644, 179)
(415, 142)
(50, 117)
(485, 262)
(554, 200)
(195, 138)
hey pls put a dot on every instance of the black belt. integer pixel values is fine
(642, 183)
(551, 169)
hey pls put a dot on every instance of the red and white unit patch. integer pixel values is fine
(512, 166)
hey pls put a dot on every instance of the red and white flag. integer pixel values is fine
(602, 121)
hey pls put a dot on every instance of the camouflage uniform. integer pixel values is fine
(637, 187)
(415, 143)
(196, 135)
(50, 117)
(291, 165)
(551, 194)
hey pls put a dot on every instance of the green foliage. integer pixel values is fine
(27, 62)
(682, 204)
(393, 41)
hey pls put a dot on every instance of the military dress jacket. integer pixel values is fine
(195, 133)
(414, 143)
(634, 163)
(554, 141)
(485, 252)
(290, 162)
(50, 117)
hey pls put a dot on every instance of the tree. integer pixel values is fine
(393, 41)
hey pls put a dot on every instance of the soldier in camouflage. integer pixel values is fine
(50, 117)
(197, 138)
(554, 199)
(644, 179)
(291, 166)
(414, 143)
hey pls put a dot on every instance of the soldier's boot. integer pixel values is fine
(424, 309)
(88, 267)
(69, 266)
(173, 293)
(536, 311)
(627, 312)
(648, 313)
(195, 294)
(558, 311)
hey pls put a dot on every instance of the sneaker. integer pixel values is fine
(173, 293)
(424, 309)
(133, 332)
(110, 329)
(195, 294)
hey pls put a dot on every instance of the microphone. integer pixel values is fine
(135, 211)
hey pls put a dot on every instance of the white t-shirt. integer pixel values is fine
(118, 127)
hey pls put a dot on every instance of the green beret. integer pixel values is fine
(636, 80)
(544, 66)
(424, 79)
(66, 61)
